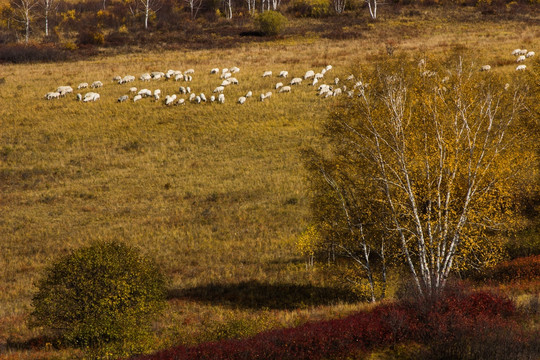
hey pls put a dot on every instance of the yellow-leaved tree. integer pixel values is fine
(423, 166)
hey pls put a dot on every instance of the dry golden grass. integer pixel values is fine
(214, 193)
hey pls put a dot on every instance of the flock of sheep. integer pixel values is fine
(227, 79)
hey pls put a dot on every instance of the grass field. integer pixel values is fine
(215, 193)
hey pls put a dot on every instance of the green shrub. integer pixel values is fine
(311, 8)
(271, 22)
(101, 298)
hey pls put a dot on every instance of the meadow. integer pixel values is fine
(214, 193)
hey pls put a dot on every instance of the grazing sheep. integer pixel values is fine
(261, 97)
(350, 78)
(181, 102)
(314, 82)
(145, 77)
(323, 71)
(267, 74)
(192, 97)
(221, 98)
(79, 97)
(224, 70)
(350, 93)
(234, 69)
(283, 74)
(157, 93)
(182, 90)
(91, 96)
(249, 94)
(516, 52)
(156, 75)
(145, 92)
(530, 54)
(225, 83)
(318, 76)
(328, 67)
(328, 94)
(203, 97)
(82, 86)
(214, 71)
(96, 84)
(233, 81)
(137, 98)
(189, 71)
(521, 67)
(212, 98)
(126, 79)
(336, 81)
(178, 77)
(521, 58)
(226, 75)
(52, 95)
(523, 52)
(116, 78)
(337, 92)
(133, 89)
(197, 99)
(309, 74)
(188, 89)
(219, 89)
(169, 99)
(278, 85)
(285, 89)
(63, 90)
(268, 94)
(188, 78)
(123, 98)
(485, 68)
(241, 100)
(296, 81)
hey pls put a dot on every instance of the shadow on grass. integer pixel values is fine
(256, 295)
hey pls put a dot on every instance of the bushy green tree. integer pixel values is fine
(271, 22)
(101, 298)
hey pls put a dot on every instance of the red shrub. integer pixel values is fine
(524, 268)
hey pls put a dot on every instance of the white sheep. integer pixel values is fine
(123, 98)
(234, 69)
(82, 86)
(314, 82)
(521, 58)
(157, 94)
(197, 99)
(189, 71)
(485, 68)
(221, 98)
(192, 97)
(214, 71)
(523, 52)
(91, 96)
(63, 90)
(530, 54)
(241, 100)
(219, 89)
(309, 74)
(203, 97)
(96, 84)
(328, 67)
(261, 97)
(178, 77)
(285, 89)
(169, 99)
(145, 77)
(188, 89)
(224, 70)
(225, 83)
(268, 94)
(350, 78)
(52, 95)
(267, 74)
(156, 75)
(337, 92)
(283, 74)
(336, 81)
(182, 90)
(137, 98)
(328, 94)
(249, 94)
(188, 78)
(181, 102)
(318, 76)
(278, 85)
(117, 79)
(516, 52)
(233, 81)
(79, 97)
(323, 71)
(226, 75)
(521, 67)
(126, 79)
(132, 89)
(145, 92)
(296, 81)
(212, 98)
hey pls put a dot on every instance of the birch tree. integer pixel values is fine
(48, 6)
(339, 6)
(438, 151)
(194, 7)
(150, 7)
(372, 6)
(24, 11)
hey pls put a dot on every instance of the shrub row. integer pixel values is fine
(524, 268)
(455, 319)
(19, 53)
